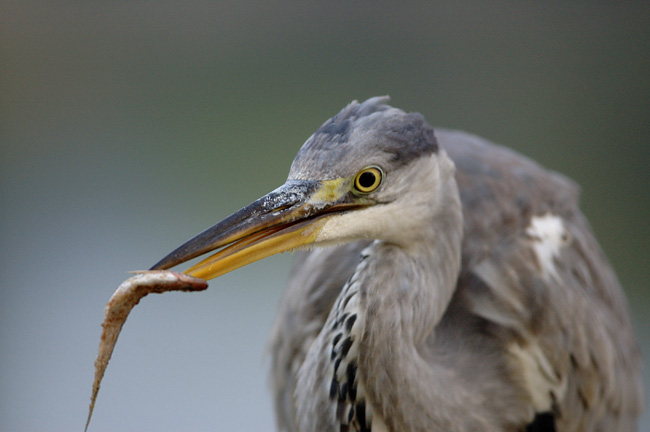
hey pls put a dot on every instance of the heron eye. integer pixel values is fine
(368, 179)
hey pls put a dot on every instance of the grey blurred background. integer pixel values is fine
(128, 127)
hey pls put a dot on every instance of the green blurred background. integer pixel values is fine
(128, 127)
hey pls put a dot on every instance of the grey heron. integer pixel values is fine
(461, 288)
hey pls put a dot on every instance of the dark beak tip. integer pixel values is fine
(165, 263)
(282, 199)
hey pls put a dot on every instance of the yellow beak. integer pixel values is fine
(286, 219)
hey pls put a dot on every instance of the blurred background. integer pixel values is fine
(128, 127)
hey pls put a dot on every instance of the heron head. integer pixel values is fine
(364, 174)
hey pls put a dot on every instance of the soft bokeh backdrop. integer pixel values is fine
(128, 127)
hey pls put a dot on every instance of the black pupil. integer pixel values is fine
(366, 180)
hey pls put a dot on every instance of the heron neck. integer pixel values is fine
(404, 294)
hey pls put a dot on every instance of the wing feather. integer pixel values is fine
(547, 280)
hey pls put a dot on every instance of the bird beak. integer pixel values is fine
(287, 218)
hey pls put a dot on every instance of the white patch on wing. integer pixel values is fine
(549, 236)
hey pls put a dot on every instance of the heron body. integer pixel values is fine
(461, 288)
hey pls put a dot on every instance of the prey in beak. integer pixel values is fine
(288, 218)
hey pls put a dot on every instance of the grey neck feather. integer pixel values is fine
(398, 294)
(403, 295)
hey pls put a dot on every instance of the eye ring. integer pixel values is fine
(368, 179)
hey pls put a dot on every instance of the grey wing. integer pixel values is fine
(534, 273)
(315, 282)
